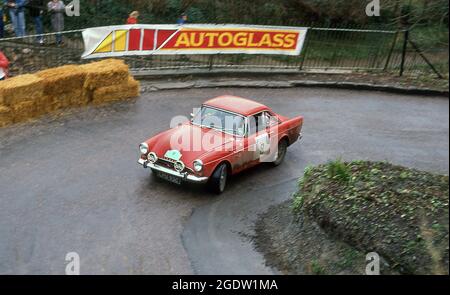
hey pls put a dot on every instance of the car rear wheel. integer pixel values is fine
(219, 179)
(281, 153)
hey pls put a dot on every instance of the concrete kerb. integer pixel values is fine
(160, 85)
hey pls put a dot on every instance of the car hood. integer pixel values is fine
(191, 141)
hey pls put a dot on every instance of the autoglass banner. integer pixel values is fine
(192, 39)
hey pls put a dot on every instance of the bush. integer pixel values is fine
(338, 170)
(400, 213)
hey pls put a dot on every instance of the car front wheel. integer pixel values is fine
(281, 153)
(219, 179)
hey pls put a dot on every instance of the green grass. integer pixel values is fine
(317, 268)
(348, 259)
(338, 170)
(398, 212)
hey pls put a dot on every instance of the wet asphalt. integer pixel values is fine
(71, 183)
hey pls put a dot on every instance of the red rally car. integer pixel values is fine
(226, 135)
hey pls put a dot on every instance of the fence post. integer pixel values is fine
(391, 51)
(211, 62)
(305, 50)
(405, 47)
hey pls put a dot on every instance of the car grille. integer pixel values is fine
(166, 163)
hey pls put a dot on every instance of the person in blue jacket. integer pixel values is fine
(17, 14)
(35, 10)
(2, 25)
(182, 19)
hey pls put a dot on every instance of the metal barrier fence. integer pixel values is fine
(330, 49)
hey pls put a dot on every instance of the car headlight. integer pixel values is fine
(198, 165)
(152, 157)
(143, 148)
(179, 166)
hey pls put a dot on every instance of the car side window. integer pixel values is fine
(272, 121)
(258, 122)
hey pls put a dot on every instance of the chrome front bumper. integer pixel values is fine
(184, 176)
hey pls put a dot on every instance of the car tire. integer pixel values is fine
(281, 152)
(219, 179)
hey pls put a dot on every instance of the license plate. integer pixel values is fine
(168, 177)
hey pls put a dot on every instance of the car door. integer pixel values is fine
(258, 141)
(266, 138)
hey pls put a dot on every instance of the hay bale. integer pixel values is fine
(6, 116)
(62, 79)
(23, 111)
(20, 89)
(105, 73)
(50, 103)
(126, 90)
(45, 104)
(68, 99)
(81, 99)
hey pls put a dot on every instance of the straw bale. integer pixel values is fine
(20, 89)
(105, 73)
(81, 99)
(6, 116)
(45, 104)
(23, 111)
(62, 79)
(126, 90)
(65, 100)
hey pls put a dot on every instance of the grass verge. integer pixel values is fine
(344, 210)
(400, 213)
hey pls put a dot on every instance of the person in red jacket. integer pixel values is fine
(4, 64)
(133, 19)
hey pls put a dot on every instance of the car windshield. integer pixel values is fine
(220, 120)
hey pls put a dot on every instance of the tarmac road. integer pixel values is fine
(72, 183)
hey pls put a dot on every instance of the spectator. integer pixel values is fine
(36, 10)
(2, 24)
(4, 63)
(133, 18)
(57, 10)
(182, 19)
(17, 14)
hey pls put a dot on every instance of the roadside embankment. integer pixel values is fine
(350, 209)
(32, 95)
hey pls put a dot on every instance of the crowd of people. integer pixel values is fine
(18, 10)
(35, 9)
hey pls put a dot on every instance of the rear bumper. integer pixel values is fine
(183, 175)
